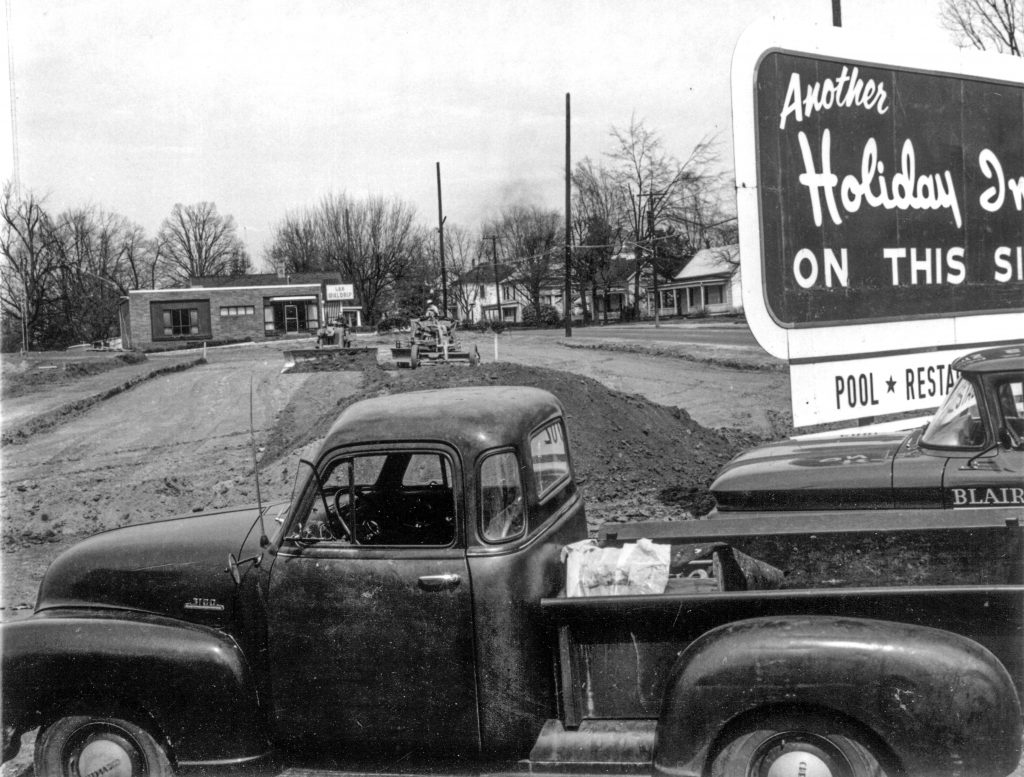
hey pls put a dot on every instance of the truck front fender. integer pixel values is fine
(939, 702)
(190, 683)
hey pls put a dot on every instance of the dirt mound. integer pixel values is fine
(635, 459)
(22, 377)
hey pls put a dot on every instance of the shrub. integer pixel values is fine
(392, 324)
(547, 315)
(486, 325)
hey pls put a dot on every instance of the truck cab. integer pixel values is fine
(426, 527)
(969, 455)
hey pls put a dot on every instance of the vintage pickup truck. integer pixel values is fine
(406, 609)
(969, 456)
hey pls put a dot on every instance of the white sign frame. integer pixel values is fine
(857, 340)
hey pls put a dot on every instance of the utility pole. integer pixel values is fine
(654, 257)
(440, 233)
(494, 265)
(654, 253)
(567, 300)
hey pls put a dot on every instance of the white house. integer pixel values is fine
(709, 282)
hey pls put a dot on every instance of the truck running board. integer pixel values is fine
(596, 747)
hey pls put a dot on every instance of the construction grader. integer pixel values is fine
(432, 341)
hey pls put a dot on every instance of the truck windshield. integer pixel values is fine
(957, 424)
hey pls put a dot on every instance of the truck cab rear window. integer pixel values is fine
(550, 458)
(502, 516)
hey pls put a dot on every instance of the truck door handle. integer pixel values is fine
(439, 582)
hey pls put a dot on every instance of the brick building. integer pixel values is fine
(240, 307)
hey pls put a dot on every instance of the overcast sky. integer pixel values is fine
(264, 107)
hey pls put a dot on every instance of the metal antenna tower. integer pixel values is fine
(16, 169)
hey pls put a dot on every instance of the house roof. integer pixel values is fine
(263, 279)
(484, 273)
(720, 261)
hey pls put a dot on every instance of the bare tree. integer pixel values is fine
(986, 24)
(374, 243)
(461, 254)
(597, 206)
(94, 272)
(297, 245)
(30, 263)
(652, 180)
(531, 243)
(141, 258)
(197, 241)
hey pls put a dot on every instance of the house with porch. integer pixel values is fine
(709, 283)
(486, 292)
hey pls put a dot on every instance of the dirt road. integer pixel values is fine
(180, 442)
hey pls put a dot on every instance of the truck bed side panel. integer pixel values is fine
(617, 652)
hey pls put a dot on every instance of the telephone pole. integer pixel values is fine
(494, 265)
(440, 238)
(654, 253)
(567, 301)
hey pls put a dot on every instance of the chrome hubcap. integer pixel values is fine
(799, 763)
(104, 751)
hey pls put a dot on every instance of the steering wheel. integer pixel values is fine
(334, 521)
(369, 529)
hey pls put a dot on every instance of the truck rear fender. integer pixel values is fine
(189, 685)
(940, 703)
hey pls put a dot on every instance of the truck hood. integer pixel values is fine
(832, 474)
(175, 567)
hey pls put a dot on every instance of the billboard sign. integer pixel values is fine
(335, 292)
(877, 189)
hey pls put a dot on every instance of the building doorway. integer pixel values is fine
(291, 318)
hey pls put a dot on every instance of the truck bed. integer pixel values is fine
(960, 572)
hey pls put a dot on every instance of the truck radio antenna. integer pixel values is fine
(264, 541)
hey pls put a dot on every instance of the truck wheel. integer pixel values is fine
(81, 745)
(795, 745)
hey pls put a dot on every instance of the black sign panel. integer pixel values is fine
(887, 194)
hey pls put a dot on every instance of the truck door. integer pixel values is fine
(369, 610)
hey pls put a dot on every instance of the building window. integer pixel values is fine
(284, 316)
(508, 293)
(181, 321)
(714, 295)
(237, 310)
(667, 299)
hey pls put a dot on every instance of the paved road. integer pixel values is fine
(673, 331)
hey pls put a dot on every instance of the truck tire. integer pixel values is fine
(81, 745)
(792, 745)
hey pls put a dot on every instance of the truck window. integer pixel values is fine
(394, 498)
(1010, 393)
(501, 498)
(550, 460)
(957, 424)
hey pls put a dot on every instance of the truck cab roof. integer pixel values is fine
(473, 419)
(1008, 358)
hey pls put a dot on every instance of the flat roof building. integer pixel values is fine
(237, 308)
